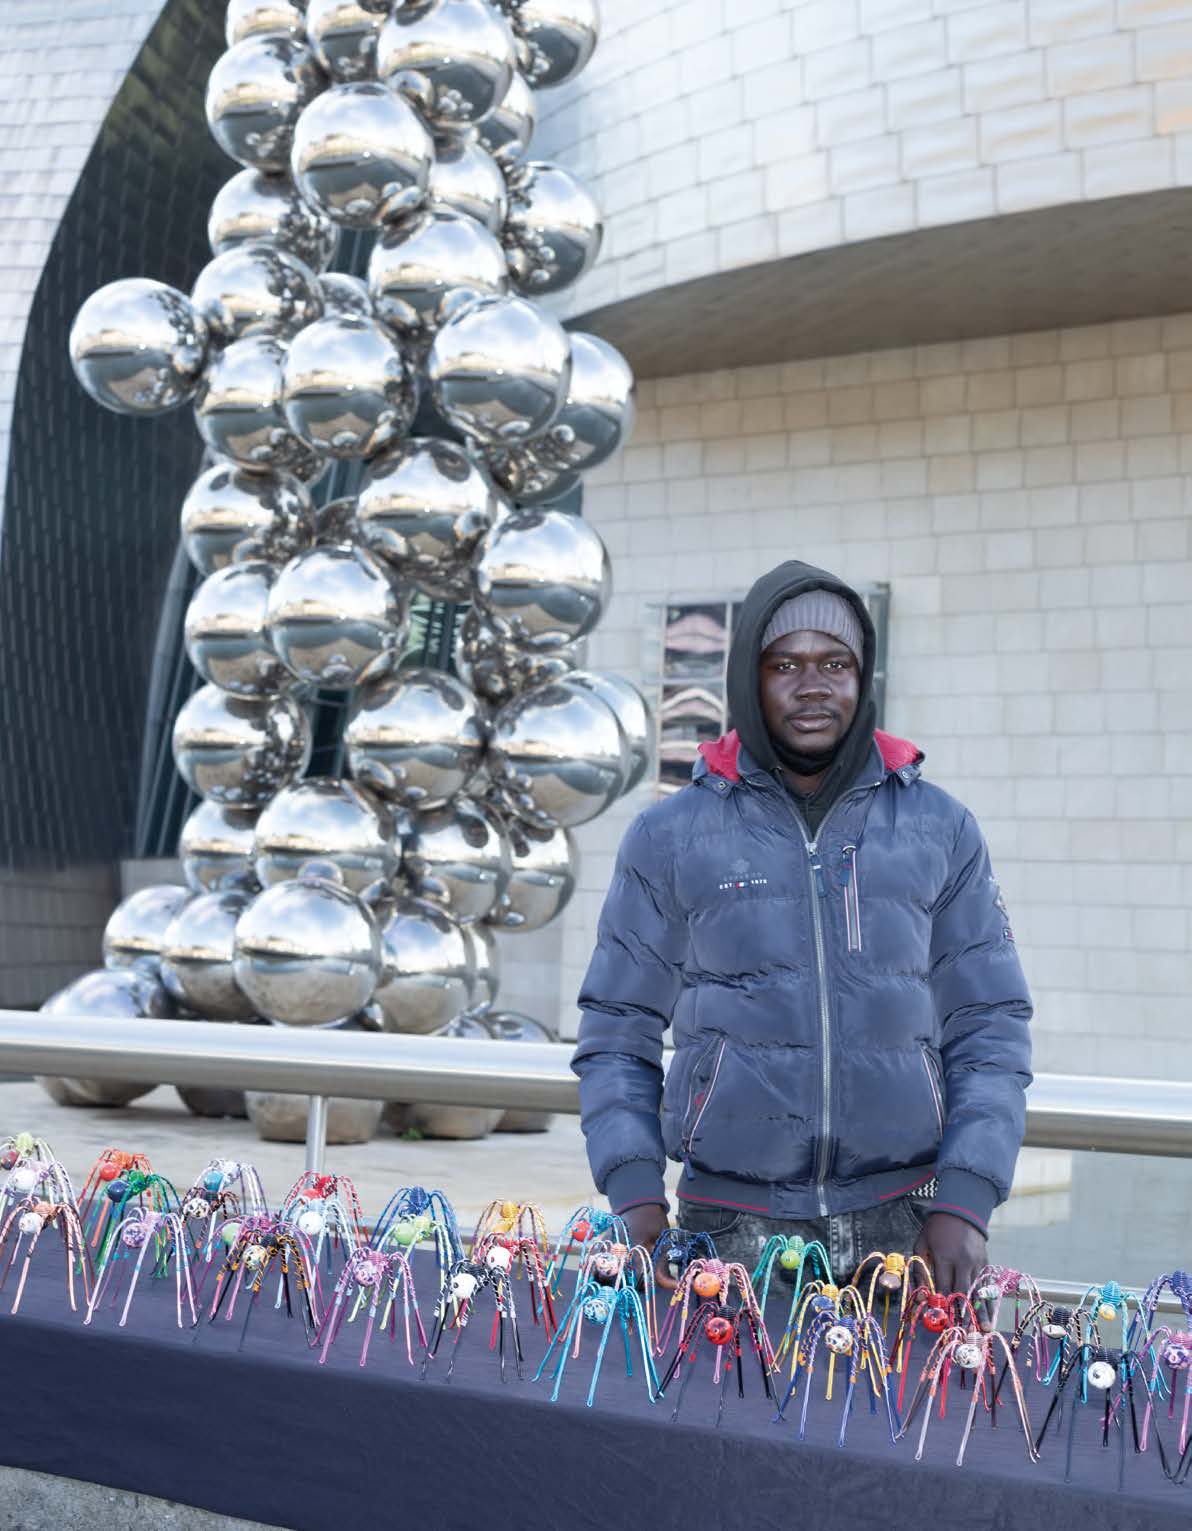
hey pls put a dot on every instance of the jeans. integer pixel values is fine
(848, 1236)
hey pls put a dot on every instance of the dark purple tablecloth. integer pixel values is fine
(268, 1434)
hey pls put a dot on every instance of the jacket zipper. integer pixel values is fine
(933, 1084)
(707, 1097)
(852, 899)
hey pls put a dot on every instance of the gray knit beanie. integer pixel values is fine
(819, 611)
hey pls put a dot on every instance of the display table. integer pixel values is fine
(268, 1434)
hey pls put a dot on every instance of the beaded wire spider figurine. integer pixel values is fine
(604, 1305)
(1108, 1304)
(28, 1220)
(1043, 1325)
(413, 1214)
(223, 1189)
(501, 1252)
(117, 1197)
(261, 1242)
(583, 1226)
(109, 1165)
(1171, 1348)
(712, 1281)
(935, 1313)
(1179, 1284)
(675, 1250)
(974, 1353)
(1096, 1369)
(856, 1339)
(23, 1145)
(326, 1210)
(720, 1326)
(370, 1275)
(162, 1236)
(22, 1151)
(891, 1275)
(35, 1176)
(820, 1302)
(795, 1257)
(462, 1287)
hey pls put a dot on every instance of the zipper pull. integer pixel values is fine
(817, 867)
(849, 852)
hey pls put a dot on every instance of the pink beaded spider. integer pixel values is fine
(370, 1275)
(160, 1235)
(975, 1354)
(26, 1223)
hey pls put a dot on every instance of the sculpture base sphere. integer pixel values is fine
(458, 1122)
(91, 1092)
(524, 1121)
(212, 1102)
(282, 1118)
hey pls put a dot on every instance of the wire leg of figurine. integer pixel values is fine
(16, 1302)
(132, 1282)
(968, 1422)
(847, 1410)
(254, 1293)
(807, 1391)
(927, 1412)
(606, 1330)
(684, 1382)
(368, 1328)
(460, 1326)
(721, 1392)
(331, 1325)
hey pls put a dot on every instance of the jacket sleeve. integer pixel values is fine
(628, 994)
(984, 1011)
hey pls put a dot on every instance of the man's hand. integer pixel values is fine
(954, 1250)
(647, 1224)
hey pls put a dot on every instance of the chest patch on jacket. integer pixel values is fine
(740, 877)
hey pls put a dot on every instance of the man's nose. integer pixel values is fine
(812, 684)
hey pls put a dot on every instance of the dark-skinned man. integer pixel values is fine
(819, 927)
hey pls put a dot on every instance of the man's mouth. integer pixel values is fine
(811, 722)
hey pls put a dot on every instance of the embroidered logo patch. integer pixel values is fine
(1000, 901)
(741, 877)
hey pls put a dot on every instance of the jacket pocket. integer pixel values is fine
(935, 1086)
(889, 1112)
(752, 1116)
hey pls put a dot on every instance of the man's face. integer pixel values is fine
(810, 684)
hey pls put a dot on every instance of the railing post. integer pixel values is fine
(316, 1134)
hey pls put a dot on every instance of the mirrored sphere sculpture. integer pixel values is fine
(558, 756)
(254, 207)
(225, 632)
(454, 59)
(324, 819)
(485, 957)
(346, 389)
(336, 617)
(416, 738)
(232, 514)
(497, 669)
(543, 869)
(345, 297)
(255, 94)
(256, 289)
(559, 37)
(427, 977)
(631, 711)
(335, 522)
(282, 1118)
(553, 231)
(423, 270)
(120, 994)
(507, 130)
(263, 18)
(238, 409)
(598, 416)
(424, 508)
(458, 1122)
(499, 369)
(527, 475)
(307, 953)
(465, 178)
(216, 849)
(343, 34)
(138, 347)
(196, 962)
(361, 155)
(240, 750)
(457, 856)
(511, 1026)
(136, 928)
(543, 578)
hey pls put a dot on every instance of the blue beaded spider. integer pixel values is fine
(856, 1337)
(413, 1214)
(604, 1306)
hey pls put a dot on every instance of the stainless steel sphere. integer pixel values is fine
(254, 208)
(543, 872)
(307, 953)
(558, 756)
(345, 297)
(425, 508)
(632, 713)
(511, 1026)
(282, 1118)
(600, 410)
(499, 369)
(231, 514)
(416, 738)
(559, 36)
(526, 475)
(499, 670)
(425, 269)
(335, 522)
(543, 578)
(239, 750)
(216, 848)
(465, 178)
(256, 289)
(343, 34)
(138, 347)
(346, 388)
(507, 130)
(485, 956)
(136, 929)
(454, 59)
(427, 977)
(239, 412)
(263, 18)
(336, 617)
(196, 963)
(120, 994)
(553, 231)
(225, 632)
(255, 95)
(457, 856)
(453, 1122)
(361, 155)
(322, 819)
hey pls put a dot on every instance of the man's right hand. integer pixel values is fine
(647, 1224)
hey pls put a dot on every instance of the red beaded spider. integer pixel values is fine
(937, 1313)
(370, 1275)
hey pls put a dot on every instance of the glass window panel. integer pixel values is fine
(696, 640)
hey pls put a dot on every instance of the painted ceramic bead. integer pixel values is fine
(935, 1319)
(196, 1206)
(1107, 1312)
(839, 1340)
(463, 1287)
(8, 1158)
(790, 1259)
(310, 1223)
(1101, 1374)
(255, 1256)
(498, 1258)
(581, 1232)
(707, 1285)
(133, 1234)
(719, 1330)
(229, 1233)
(118, 1190)
(212, 1180)
(108, 1172)
(29, 1223)
(597, 1309)
(889, 1282)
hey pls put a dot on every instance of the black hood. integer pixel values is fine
(744, 695)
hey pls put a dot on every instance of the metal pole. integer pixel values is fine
(316, 1134)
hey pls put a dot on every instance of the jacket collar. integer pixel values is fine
(728, 759)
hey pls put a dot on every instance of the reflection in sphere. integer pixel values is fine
(343, 34)
(485, 956)
(454, 59)
(231, 514)
(416, 738)
(632, 714)
(196, 965)
(512, 1026)
(507, 130)
(263, 18)
(119, 994)
(255, 94)
(458, 857)
(559, 37)
(322, 819)
(136, 928)
(336, 618)
(427, 976)
(225, 632)
(307, 953)
(543, 872)
(345, 297)
(499, 670)
(255, 208)
(424, 508)
(543, 578)
(554, 230)
(239, 409)
(346, 389)
(256, 289)
(499, 369)
(600, 410)
(527, 475)
(138, 347)
(361, 155)
(216, 849)
(426, 268)
(558, 756)
(335, 522)
(466, 179)
(240, 750)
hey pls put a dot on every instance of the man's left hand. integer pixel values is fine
(954, 1250)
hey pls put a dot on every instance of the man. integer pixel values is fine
(820, 928)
